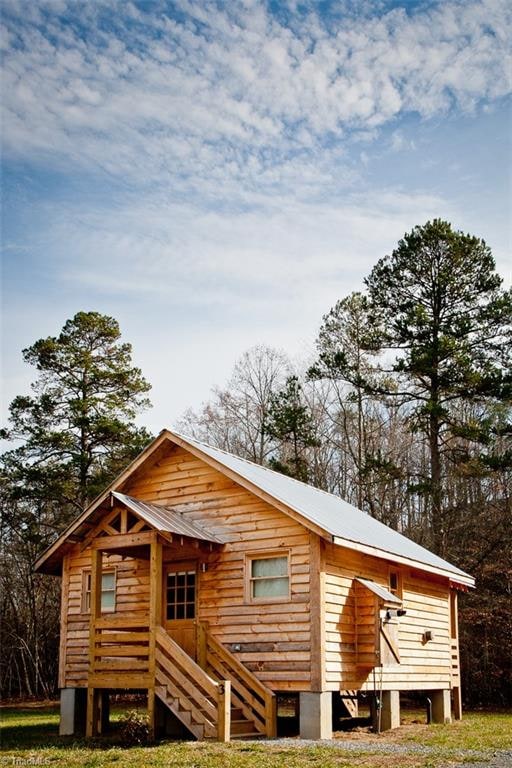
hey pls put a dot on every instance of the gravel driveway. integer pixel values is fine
(500, 758)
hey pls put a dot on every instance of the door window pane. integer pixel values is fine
(181, 595)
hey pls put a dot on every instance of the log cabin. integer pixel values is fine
(215, 585)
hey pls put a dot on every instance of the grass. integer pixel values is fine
(30, 737)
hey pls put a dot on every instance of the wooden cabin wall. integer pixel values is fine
(274, 636)
(132, 597)
(427, 602)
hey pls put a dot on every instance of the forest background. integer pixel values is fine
(404, 411)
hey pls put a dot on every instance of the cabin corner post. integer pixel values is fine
(63, 621)
(155, 620)
(317, 612)
(93, 723)
(316, 704)
(455, 655)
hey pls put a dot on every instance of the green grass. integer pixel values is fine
(30, 737)
(477, 730)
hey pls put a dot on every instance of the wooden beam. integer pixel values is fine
(122, 540)
(91, 726)
(224, 711)
(95, 601)
(155, 620)
(95, 530)
(151, 714)
(317, 613)
(63, 621)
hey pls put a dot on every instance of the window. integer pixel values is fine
(108, 591)
(181, 595)
(268, 578)
(395, 584)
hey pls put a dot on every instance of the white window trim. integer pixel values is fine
(86, 589)
(250, 557)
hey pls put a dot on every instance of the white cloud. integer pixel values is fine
(152, 99)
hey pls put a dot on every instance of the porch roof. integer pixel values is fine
(383, 594)
(166, 519)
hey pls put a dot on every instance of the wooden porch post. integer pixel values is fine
(155, 620)
(224, 711)
(93, 725)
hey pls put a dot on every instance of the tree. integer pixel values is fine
(77, 426)
(75, 432)
(290, 422)
(233, 419)
(443, 314)
(345, 345)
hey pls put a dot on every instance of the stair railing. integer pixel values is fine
(201, 703)
(250, 695)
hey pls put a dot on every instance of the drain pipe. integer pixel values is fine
(429, 710)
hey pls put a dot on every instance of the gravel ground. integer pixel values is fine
(500, 758)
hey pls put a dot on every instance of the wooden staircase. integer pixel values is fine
(349, 699)
(217, 698)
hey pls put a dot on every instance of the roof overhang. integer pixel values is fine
(71, 534)
(456, 577)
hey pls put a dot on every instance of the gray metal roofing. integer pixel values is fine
(381, 592)
(331, 513)
(166, 519)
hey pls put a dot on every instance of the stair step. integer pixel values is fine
(242, 726)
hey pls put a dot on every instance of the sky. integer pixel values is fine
(217, 175)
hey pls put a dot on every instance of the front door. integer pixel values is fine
(179, 609)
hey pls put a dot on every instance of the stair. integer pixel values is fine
(349, 699)
(199, 702)
(241, 726)
(221, 702)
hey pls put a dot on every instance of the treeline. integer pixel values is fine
(403, 409)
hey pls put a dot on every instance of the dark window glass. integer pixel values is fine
(181, 595)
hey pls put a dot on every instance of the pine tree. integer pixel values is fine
(76, 428)
(290, 423)
(446, 322)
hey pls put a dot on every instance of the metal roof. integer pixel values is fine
(381, 592)
(166, 519)
(329, 512)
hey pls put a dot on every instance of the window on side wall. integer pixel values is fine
(268, 577)
(395, 583)
(108, 591)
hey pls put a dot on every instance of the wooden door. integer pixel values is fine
(180, 600)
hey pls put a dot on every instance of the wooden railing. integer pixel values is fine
(201, 703)
(119, 653)
(455, 663)
(124, 653)
(248, 694)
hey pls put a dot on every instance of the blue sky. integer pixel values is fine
(217, 175)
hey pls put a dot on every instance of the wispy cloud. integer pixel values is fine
(231, 95)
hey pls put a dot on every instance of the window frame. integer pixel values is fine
(398, 591)
(250, 558)
(86, 589)
(186, 570)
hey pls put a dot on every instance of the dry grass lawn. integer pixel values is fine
(29, 737)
